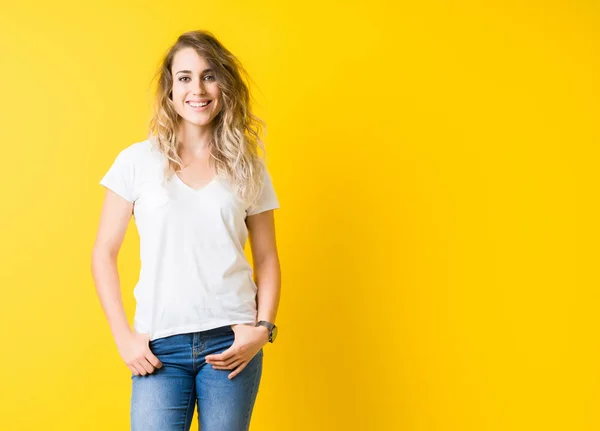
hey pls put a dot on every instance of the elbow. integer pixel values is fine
(101, 254)
(270, 260)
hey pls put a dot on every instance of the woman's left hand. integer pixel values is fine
(248, 341)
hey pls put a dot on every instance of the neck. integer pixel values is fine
(194, 138)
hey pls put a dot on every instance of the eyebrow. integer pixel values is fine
(189, 71)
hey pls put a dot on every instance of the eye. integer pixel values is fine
(184, 77)
(212, 78)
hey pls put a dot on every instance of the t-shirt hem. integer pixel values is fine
(117, 190)
(262, 210)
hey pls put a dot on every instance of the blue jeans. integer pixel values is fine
(165, 399)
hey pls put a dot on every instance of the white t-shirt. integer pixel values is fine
(194, 275)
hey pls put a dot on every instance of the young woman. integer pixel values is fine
(197, 190)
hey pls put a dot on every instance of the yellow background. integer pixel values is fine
(436, 164)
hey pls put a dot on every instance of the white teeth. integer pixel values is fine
(197, 105)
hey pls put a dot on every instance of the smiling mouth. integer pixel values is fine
(199, 105)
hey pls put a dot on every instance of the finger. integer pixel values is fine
(225, 362)
(139, 370)
(238, 370)
(146, 365)
(229, 366)
(133, 370)
(231, 351)
(154, 360)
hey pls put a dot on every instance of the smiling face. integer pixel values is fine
(194, 85)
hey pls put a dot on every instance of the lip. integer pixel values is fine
(198, 101)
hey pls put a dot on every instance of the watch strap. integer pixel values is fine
(268, 325)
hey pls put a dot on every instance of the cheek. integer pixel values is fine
(219, 99)
(176, 92)
(178, 98)
(215, 91)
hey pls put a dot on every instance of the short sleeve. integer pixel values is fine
(120, 177)
(267, 199)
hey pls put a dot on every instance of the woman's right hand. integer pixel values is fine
(135, 351)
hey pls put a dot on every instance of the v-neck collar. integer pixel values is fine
(204, 187)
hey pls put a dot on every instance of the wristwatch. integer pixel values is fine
(272, 329)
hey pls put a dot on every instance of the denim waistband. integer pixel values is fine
(221, 330)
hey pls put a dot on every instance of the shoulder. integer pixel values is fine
(137, 150)
(139, 154)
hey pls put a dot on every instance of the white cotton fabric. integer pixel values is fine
(194, 274)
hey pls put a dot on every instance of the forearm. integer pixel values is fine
(108, 288)
(268, 280)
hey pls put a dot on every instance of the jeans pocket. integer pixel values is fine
(160, 345)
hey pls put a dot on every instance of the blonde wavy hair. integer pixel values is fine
(236, 137)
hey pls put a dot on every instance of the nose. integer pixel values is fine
(199, 88)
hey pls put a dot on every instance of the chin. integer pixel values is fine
(198, 122)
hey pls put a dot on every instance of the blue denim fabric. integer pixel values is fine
(165, 399)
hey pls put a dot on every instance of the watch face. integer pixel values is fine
(274, 334)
